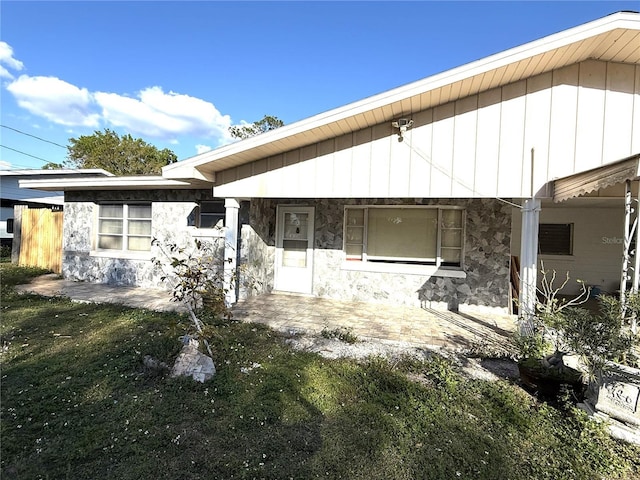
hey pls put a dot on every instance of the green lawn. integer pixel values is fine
(78, 403)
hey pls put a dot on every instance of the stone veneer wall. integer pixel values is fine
(173, 220)
(486, 263)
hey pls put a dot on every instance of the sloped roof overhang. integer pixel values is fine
(612, 38)
(113, 183)
(596, 179)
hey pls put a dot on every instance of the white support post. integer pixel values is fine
(626, 244)
(529, 263)
(232, 207)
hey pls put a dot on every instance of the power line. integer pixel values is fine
(34, 136)
(27, 154)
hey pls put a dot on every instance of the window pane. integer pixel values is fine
(409, 233)
(110, 242)
(9, 225)
(211, 220)
(295, 226)
(451, 218)
(139, 227)
(139, 211)
(354, 251)
(355, 234)
(355, 216)
(294, 253)
(451, 256)
(111, 211)
(139, 244)
(212, 207)
(110, 226)
(555, 238)
(451, 238)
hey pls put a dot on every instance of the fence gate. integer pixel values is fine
(41, 239)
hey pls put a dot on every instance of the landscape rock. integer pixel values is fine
(192, 363)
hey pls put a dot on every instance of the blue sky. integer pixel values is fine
(178, 74)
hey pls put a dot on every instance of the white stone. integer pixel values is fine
(192, 363)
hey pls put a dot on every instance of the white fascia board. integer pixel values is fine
(625, 20)
(103, 183)
(54, 172)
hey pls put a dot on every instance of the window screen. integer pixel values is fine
(555, 239)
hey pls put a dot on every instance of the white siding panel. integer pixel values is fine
(399, 171)
(380, 160)
(464, 146)
(291, 177)
(617, 133)
(486, 182)
(590, 114)
(324, 168)
(564, 104)
(536, 133)
(360, 169)
(342, 164)
(511, 139)
(419, 182)
(442, 152)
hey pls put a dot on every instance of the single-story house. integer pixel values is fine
(427, 194)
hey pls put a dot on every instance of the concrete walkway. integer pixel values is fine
(299, 313)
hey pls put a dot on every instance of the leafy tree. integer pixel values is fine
(52, 166)
(119, 155)
(256, 128)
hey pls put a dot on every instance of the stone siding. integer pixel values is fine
(173, 221)
(486, 262)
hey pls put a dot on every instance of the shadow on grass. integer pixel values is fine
(77, 403)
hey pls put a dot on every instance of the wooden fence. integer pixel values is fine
(41, 239)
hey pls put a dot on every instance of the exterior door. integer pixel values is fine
(294, 249)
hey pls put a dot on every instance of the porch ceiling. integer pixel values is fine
(606, 176)
(613, 38)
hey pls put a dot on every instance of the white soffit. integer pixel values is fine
(612, 38)
(596, 179)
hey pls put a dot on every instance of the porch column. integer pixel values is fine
(528, 263)
(231, 250)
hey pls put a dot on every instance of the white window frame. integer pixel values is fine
(125, 226)
(418, 266)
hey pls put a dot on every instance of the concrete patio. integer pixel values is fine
(305, 314)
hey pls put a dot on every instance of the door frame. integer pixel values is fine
(282, 275)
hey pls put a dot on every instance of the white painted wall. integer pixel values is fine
(597, 253)
(574, 118)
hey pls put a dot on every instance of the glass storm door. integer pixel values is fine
(294, 249)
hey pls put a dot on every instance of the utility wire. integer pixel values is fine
(27, 154)
(34, 136)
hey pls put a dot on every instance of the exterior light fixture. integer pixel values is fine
(402, 124)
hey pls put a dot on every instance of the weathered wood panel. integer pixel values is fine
(41, 239)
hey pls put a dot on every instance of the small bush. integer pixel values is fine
(343, 334)
(5, 251)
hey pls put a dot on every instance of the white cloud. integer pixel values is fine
(203, 148)
(55, 100)
(150, 113)
(4, 165)
(8, 61)
(163, 115)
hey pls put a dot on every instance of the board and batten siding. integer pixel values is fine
(574, 118)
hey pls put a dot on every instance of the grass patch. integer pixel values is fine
(78, 403)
